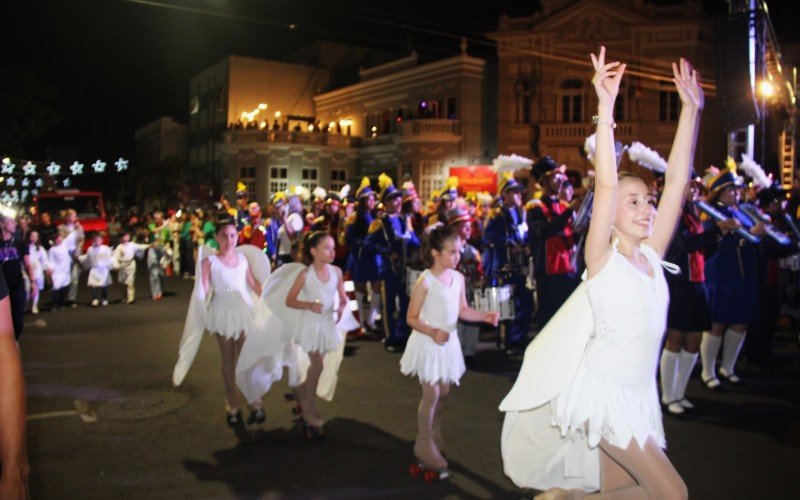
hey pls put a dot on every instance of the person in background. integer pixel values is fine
(114, 229)
(74, 238)
(14, 466)
(99, 258)
(13, 259)
(60, 266)
(39, 263)
(47, 230)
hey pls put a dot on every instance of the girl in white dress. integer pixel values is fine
(39, 264)
(230, 311)
(60, 270)
(611, 401)
(433, 352)
(100, 260)
(316, 333)
(126, 254)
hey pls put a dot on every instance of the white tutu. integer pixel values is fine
(229, 315)
(431, 362)
(610, 411)
(318, 332)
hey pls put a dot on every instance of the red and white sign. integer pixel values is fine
(475, 178)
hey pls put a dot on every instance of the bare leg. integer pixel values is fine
(649, 468)
(444, 394)
(227, 349)
(310, 411)
(424, 448)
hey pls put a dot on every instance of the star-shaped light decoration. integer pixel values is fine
(29, 169)
(14, 196)
(76, 168)
(11, 182)
(99, 167)
(5, 198)
(24, 195)
(67, 182)
(39, 182)
(121, 165)
(26, 182)
(54, 168)
(34, 192)
(8, 168)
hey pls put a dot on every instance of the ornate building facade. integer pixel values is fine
(545, 99)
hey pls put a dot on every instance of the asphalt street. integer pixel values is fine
(105, 422)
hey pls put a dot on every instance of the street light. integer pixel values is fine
(766, 88)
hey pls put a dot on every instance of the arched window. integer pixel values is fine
(571, 100)
(522, 100)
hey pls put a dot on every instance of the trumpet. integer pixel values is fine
(757, 217)
(719, 216)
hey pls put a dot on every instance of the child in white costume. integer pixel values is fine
(126, 254)
(433, 352)
(225, 304)
(584, 411)
(39, 264)
(100, 260)
(60, 258)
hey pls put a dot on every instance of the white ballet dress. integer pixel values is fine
(423, 357)
(613, 394)
(230, 311)
(318, 332)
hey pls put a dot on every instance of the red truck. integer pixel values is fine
(87, 204)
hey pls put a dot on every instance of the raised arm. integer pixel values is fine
(681, 157)
(598, 240)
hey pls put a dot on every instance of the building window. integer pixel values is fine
(522, 100)
(571, 97)
(668, 105)
(247, 176)
(309, 176)
(278, 180)
(431, 178)
(338, 179)
(620, 105)
(452, 112)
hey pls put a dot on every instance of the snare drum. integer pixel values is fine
(412, 275)
(496, 298)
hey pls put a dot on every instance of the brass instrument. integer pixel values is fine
(719, 216)
(757, 217)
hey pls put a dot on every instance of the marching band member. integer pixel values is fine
(330, 222)
(447, 198)
(255, 231)
(393, 240)
(242, 212)
(731, 282)
(688, 314)
(505, 259)
(470, 266)
(551, 239)
(363, 265)
(411, 208)
(273, 224)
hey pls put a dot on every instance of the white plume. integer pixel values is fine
(755, 172)
(589, 146)
(647, 157)
(344, 192)
(319, 192)
(303, 192)
(512, 163)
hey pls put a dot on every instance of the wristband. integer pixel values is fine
(597, 121)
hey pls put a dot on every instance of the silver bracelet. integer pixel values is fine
(597, 121)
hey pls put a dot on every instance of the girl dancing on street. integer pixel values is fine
(602, 394)
(433, 352)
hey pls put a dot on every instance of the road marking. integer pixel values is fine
(81, 409)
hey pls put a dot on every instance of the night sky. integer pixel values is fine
(119, 64)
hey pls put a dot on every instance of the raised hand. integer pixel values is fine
(606, 77)
(687, 84)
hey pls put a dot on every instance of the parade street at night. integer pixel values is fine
(152, 441)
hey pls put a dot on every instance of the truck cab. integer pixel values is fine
(87, 204)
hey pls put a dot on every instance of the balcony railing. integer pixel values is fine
(289, 137)
(428, 126)
(575, 131)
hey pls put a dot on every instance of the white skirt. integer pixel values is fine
(229, 315)
(603, 409)
(431, 362)
(318, 332)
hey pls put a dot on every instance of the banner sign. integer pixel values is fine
(475, 178)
